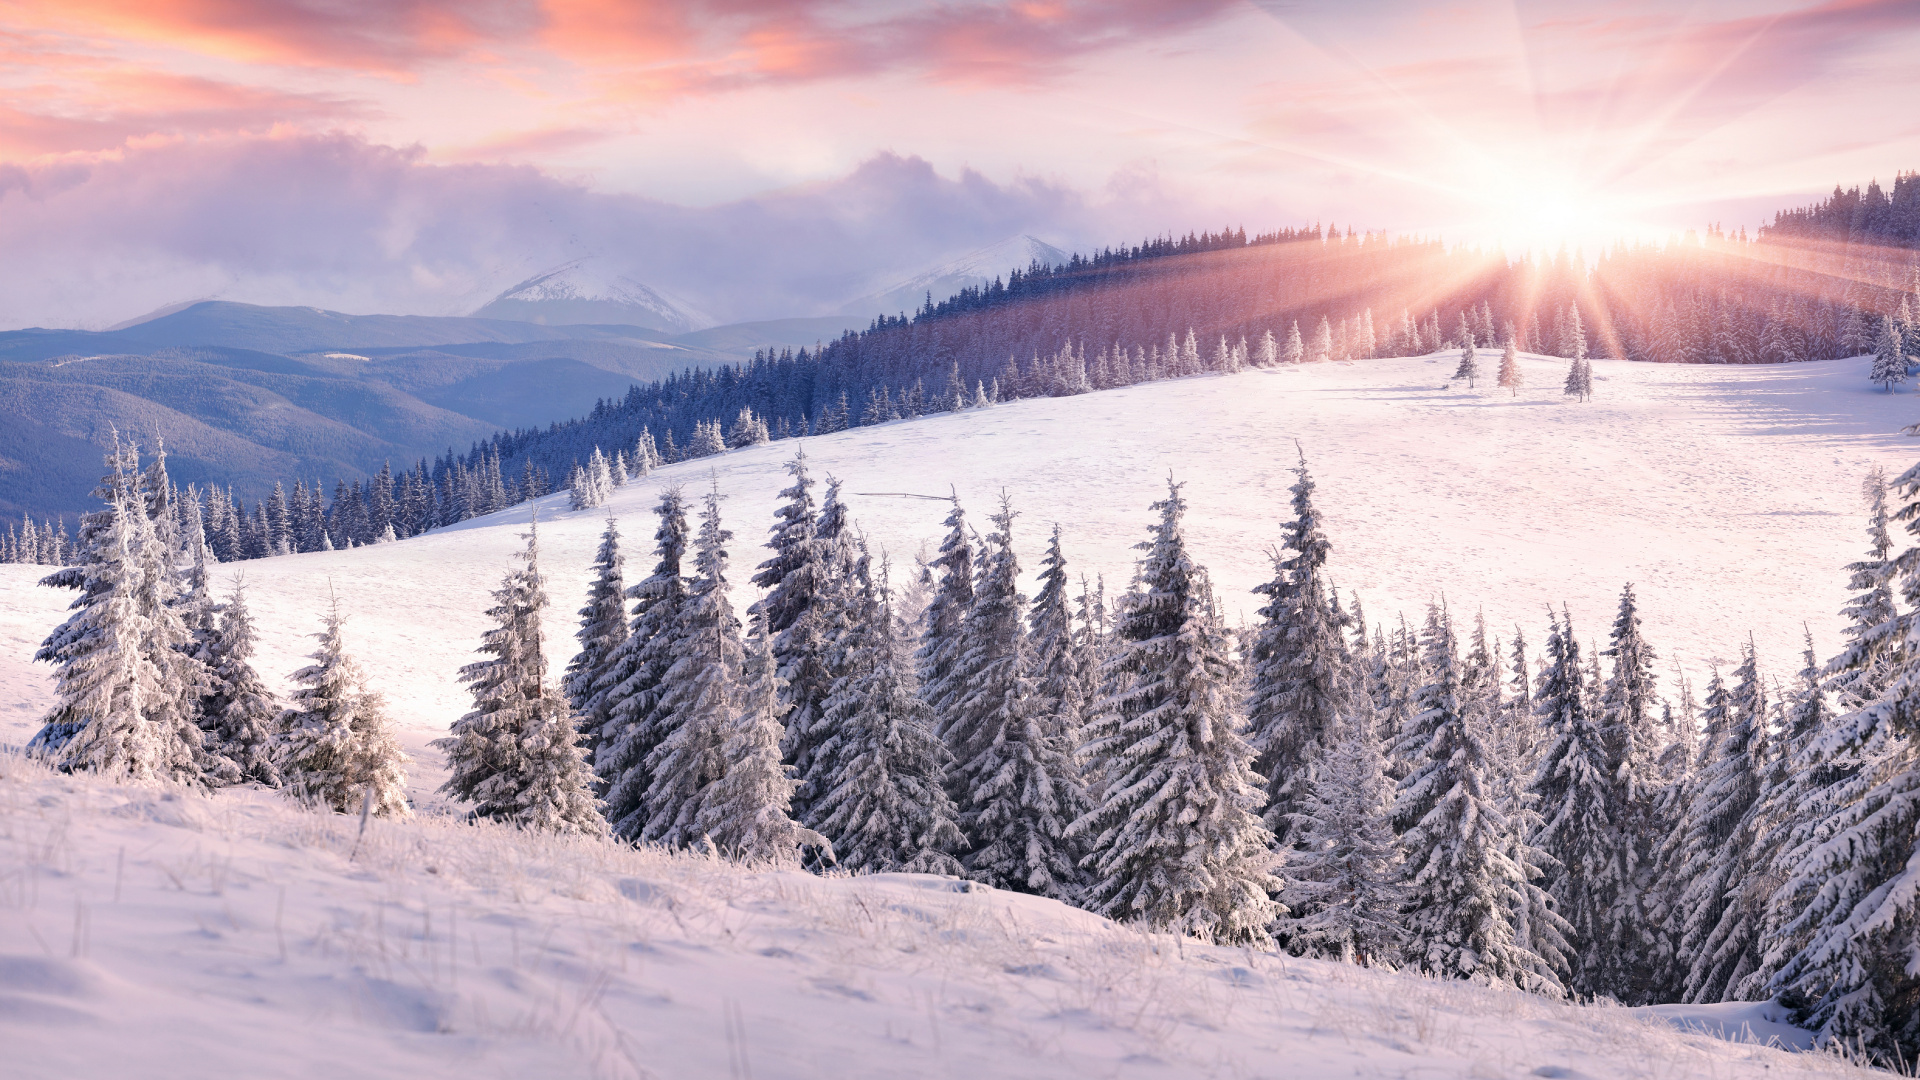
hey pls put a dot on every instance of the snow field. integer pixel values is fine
(159, 933)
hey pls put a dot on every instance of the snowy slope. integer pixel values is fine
(971, 270)
(159, 935)
(593, 291)
(235, 937)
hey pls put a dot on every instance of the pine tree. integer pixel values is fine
(516, 756)
(1176, 841)
(1716, 838)
(1342, 879)
(941, 641)
(701, 693)
(1876, 635)
(238, 714)
(747, 813)
(883, 801)
(590, 681)
(637, 717)
(1465, 887)
(1469, 368)
(128, 685)
(1014, 780)
(1296, 350)
(1585, 829)
(796, 576)
(1889, 357)
(1300, 676)
(1511, 377)
(337, 748)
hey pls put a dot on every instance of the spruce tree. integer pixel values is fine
(128, 686)
(1510, 376)
(702, 695)
(1296, 350)
(516, 756)
(1717, 840)
(1465, 888)
(747, 813)
(883, 801)
(1469, 368)
(1585, 828)
(1014, 779)
(1300, 673)
(637, 719)
(336, 746)
(942, 641)
(590, 679)
(1176, 841)
(1343, 889)
(1876, 636)
(1889, 357)
(796, 576)
(238, 715)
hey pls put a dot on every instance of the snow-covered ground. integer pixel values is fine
(156, 934)
(243, 941)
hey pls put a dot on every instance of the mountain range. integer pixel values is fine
(246, 395)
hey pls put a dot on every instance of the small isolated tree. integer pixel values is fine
(1469, 368)
(1176, 840)
(516, 756)
(1511, 378)
(238, 714)
(337, 747)
(1342, 877)
(1889, 357)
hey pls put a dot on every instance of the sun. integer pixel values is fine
(1543, 210)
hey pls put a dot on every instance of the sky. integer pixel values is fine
(761, 159)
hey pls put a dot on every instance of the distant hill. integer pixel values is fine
(590, 290)
(970, 271)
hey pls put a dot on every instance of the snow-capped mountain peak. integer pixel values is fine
(590, 290)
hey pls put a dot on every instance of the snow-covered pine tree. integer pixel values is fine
(1063, 657)
(516, 756)
(797, 577)
(1300, 674)
(1176, 841)
(1510, 377)
(884, 803)
(1719, 937)
(637, 721)
(942, 641)
(1295, 351)
(1849, 906)
(337, 748)
(127, 684)
(1876, 638)
(1014, 780)
(1889, 357)
(1323, 342)
(1798, 784)
(1343, 889)
(590, 678)
(702, 692)
(1586, 828)
(1466, 890)
(1267, 351)
(747, 813)
(1469, 368)
(238, 715)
